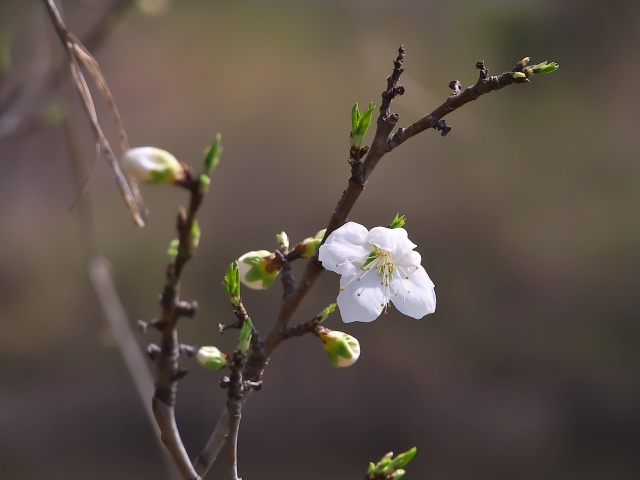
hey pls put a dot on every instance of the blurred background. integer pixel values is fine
(525, 216)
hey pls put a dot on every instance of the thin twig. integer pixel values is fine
(234, 407)
(99, 273)
(75, 50)
(20, 104)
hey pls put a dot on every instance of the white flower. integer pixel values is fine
(377, 267)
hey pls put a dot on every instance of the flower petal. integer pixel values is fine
(393, 240)
(345, 249)
(361, 301)
(414, 296)
(412, 259)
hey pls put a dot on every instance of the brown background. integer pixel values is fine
(525, 215)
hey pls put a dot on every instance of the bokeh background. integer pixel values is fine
(525, 216)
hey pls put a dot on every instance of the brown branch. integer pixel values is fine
(167, 369)
(384, 141)
(485, 84)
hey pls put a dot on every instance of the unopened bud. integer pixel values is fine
(399, 221)
(152, 165)
(360, 124)
(310, 245)
(257, 269)
(283, 241)
(211, 358)
(342, 349)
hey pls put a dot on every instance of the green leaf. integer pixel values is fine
(544, 68)
(324, 314)
(404, 458)
(212, 156)
(245, 337)
(360, 124)
(355, 115)
(231, 283)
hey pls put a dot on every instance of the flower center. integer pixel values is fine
(392, 276)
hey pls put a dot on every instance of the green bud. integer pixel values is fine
(231, 283)
(245, 337)
(203, 183)
(324, 314)
(257, 269)
(211, 358)
(382, 466)
(212, 156)
(389, 467)
(544, 68)
(397, 474)
(518, 75)
(194, 237)
(399, 221)
(310, 245)
(152, 165)
(283, 240)
(360, 124)
(172, 252)
(541, 69)
(525, 61)
(342, 349)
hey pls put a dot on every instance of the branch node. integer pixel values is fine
(188, 350)
(153, 351)
(156, 323)
(484, 71)
(455, 85)
(187, 309)
(442, 127)
(223, 328)
(224, 382)
(392, 119)
(256, 386)
(288, 281)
